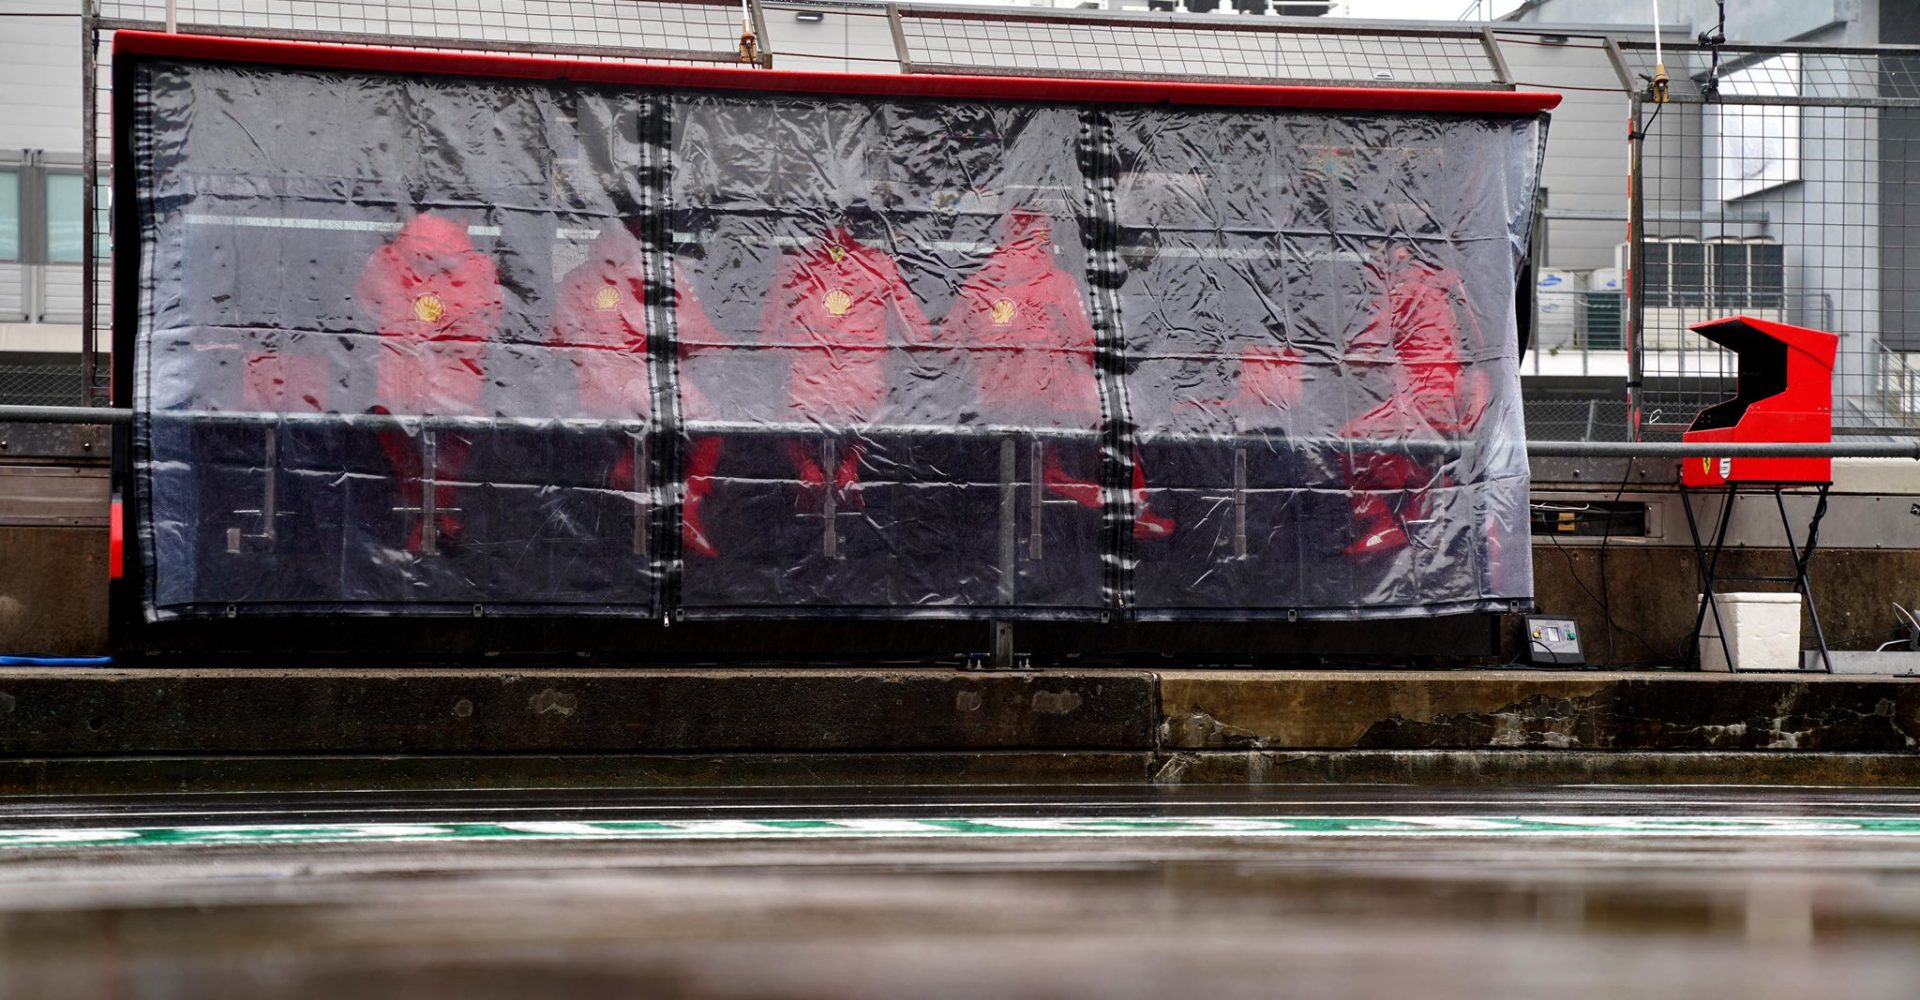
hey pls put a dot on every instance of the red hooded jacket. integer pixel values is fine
(1025, 324)
(1414, 331)
(436, 302)
(600, 327)
(600, 324)
(836, 308)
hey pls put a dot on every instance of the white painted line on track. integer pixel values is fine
(1230, 827)
(1172, 807)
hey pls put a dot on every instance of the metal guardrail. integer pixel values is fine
(91, 415)
(95, 415)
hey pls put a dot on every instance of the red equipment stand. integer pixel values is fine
(1784, 394)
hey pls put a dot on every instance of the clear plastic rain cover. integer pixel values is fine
(415, 344)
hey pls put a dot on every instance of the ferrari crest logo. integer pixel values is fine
(1003, 310)
(838, 253)
(428, 308)
(1706, 466)
(838, 302)
(607, 298)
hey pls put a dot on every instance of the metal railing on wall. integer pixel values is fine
(1570, 447)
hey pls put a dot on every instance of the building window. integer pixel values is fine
(66, 218)
(1756, 146)
(9, 215)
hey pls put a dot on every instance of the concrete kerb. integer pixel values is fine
(127, 775)
(1118, 724)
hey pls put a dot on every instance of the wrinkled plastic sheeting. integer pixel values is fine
(406, 346)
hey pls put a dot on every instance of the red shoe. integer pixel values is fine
(1147, 524)
(693, 538)
(620, 478)
(1084, 492)
(813, 487)
(1385, 541)
(450, 531)
(846, 480)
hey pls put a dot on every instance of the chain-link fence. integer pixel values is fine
(1249, 49)
(45, 383)
(1553, 417)
(1777, 182)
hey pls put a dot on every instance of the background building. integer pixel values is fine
(41, 222)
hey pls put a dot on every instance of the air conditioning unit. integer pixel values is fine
(1603, 320)
(1687, 281)
(1556, 306)
(1749, 277)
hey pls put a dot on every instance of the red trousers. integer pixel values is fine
(405, 453)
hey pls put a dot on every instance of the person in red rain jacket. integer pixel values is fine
(436, 302)
(601, 322)
(1269, 379)
(835, 308)
(1025, 323)
(1413, 332)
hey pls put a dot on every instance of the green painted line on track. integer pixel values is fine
(1071, 826)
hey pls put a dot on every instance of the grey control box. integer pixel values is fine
(1553, 640)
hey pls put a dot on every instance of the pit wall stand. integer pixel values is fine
(1783, 394)
(1708, 555)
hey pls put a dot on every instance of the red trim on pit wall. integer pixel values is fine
(353, 57)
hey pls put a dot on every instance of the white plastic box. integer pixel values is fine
(1763, 632)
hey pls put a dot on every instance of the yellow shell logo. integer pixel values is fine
(837, 252)
(838, 302)
(1003, 310)
(428, 308)
(607, 298)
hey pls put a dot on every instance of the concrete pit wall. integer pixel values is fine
(53, 566)
(53, 540)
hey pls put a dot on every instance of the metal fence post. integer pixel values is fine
(1502, 74)
(90, 176)
(899, 38)
(760, 30)
(1636, 263)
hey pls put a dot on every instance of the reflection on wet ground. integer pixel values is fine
(1219, 916)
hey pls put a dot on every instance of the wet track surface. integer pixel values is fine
(1054, 892)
